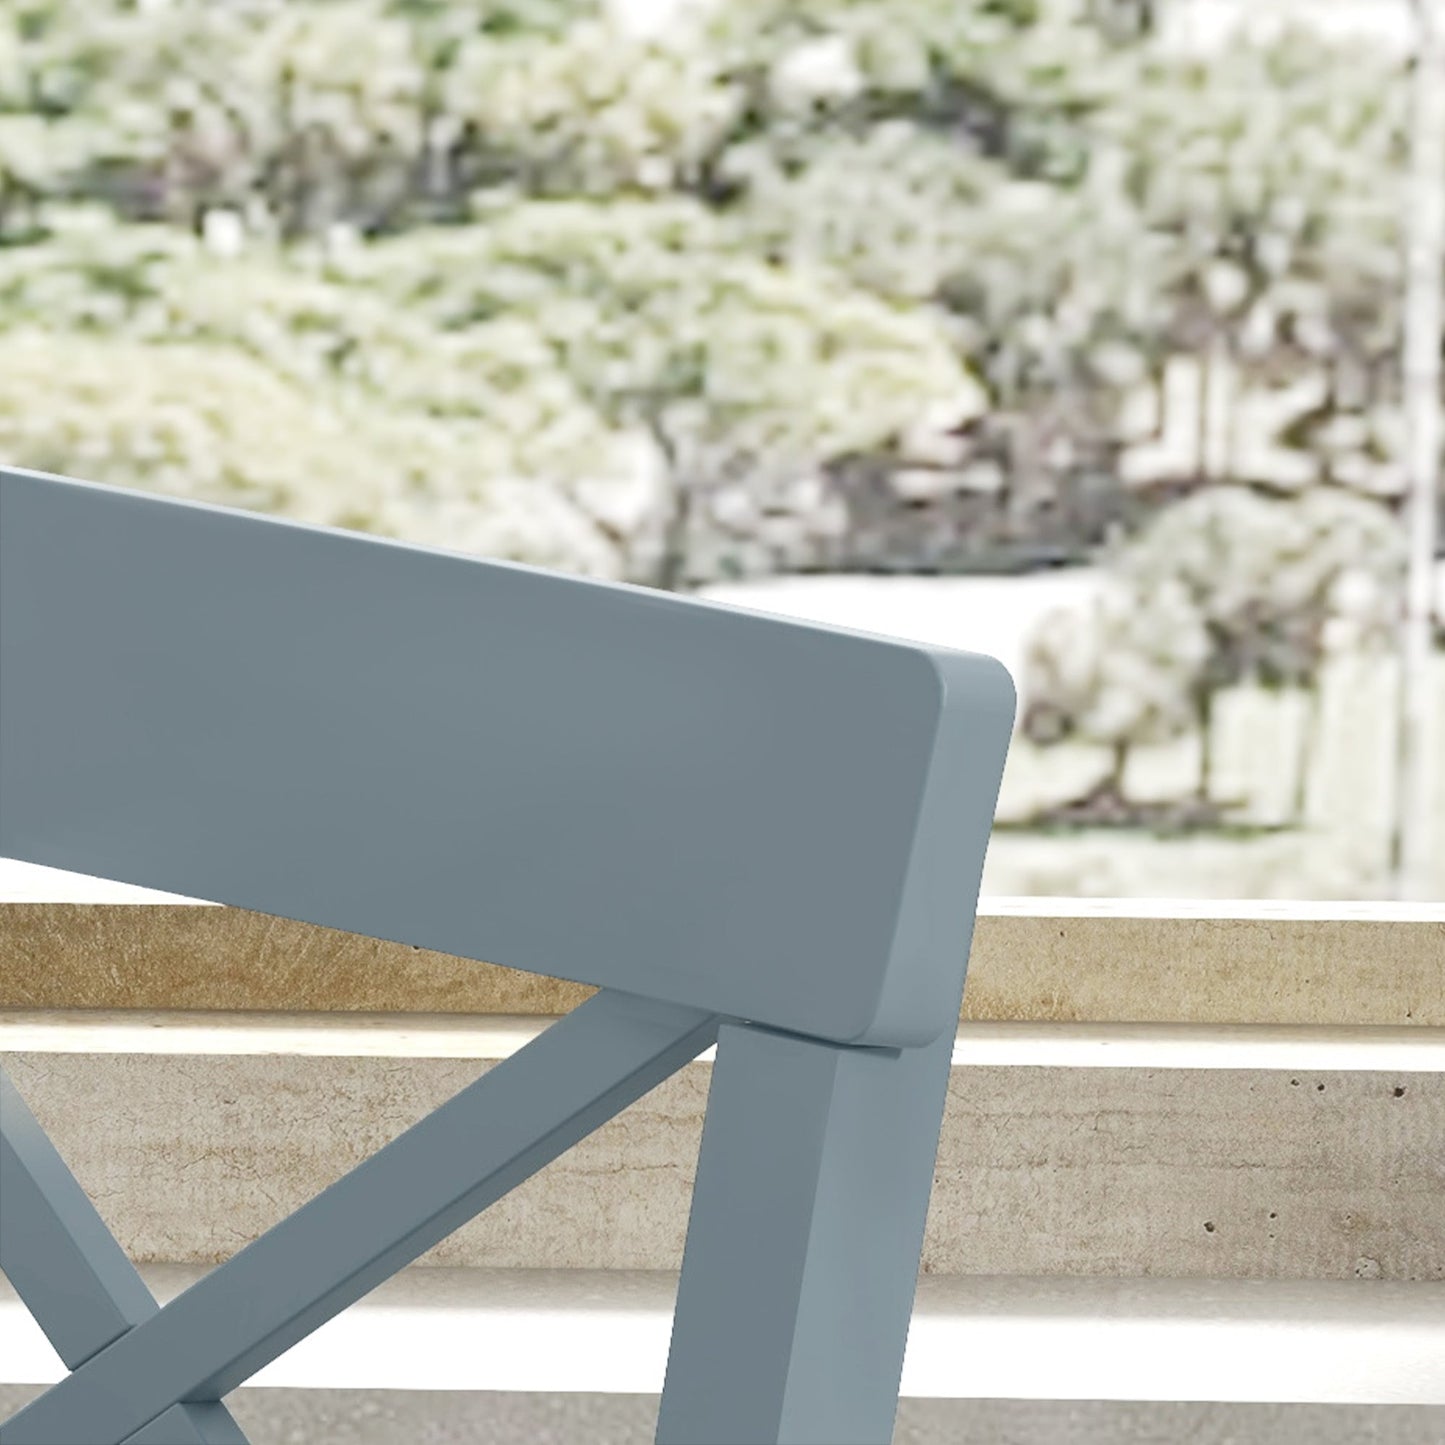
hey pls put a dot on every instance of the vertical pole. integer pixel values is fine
(803, 1246)
(1417, 746)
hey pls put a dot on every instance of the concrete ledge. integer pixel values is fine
(972, 1338)
(1047, 1169)
(1033, 960)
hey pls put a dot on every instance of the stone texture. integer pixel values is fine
(1041, 1171)
(1104, 969)
(1179, 1172)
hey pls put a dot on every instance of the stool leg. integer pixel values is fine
(803, 1246)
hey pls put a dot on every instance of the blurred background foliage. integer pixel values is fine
(699, 291)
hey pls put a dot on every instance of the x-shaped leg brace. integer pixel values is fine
(146, 1375)
(74, 1278)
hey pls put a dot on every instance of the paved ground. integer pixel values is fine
(289, 1417)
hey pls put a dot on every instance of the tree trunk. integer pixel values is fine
(1423, 324)
(1114, 783)
(1305, 755)
(1215, 407)
(1204, 712)
(672, 565)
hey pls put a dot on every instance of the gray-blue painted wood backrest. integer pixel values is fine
(769, 820)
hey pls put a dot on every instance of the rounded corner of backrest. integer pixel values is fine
(923, 985)
(980, 685)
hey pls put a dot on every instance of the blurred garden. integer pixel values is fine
(695, 293)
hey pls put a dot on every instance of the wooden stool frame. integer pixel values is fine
(741, 829)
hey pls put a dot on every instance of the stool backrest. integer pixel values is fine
(765, 819)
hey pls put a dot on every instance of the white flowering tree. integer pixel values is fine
(738, 287)
(1117, 674)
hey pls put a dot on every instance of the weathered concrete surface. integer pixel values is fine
(385, 1417)
(1109, 968)
(1049, 1171)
